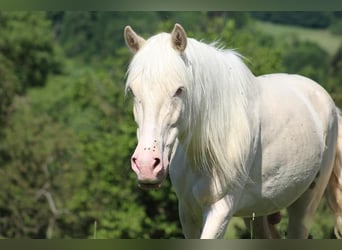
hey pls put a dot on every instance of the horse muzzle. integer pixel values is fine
(149, 169)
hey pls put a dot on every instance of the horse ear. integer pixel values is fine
(133, 41)
(179, 38)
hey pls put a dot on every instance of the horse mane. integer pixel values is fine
(221, 87)
(215, 129)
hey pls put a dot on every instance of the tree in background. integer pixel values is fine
(308, 59)
(26, 41)
(32, 149)
(311, 19)
(37, 171)
(8, 86)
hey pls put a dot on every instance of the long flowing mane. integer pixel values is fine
(220, 90)
(218, 86)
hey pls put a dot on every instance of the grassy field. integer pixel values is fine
(323, 37)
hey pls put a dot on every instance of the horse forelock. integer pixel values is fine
(157, 63)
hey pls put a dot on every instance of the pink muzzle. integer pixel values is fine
(147, 164)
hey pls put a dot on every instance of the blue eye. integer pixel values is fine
(130, 91)
(179, 91)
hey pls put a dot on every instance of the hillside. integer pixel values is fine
(323, 37)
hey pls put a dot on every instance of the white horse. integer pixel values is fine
(239, 145)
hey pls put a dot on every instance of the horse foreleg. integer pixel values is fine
(216, 218)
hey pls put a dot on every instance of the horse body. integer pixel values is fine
(292, 148)
(291, 152)
(239, 145)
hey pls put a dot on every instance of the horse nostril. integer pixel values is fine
(134, 160)
(156, 162)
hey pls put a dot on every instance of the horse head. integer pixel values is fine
(156, 79)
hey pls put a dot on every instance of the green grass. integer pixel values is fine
(231, 230)
(323, 37)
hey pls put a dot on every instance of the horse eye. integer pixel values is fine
(130, 91)
(179, 91)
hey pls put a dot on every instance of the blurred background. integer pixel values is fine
(67, 131)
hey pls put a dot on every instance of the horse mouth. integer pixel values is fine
(149, 186)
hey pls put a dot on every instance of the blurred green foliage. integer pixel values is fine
(67, 130)
(312, 19)
(27, 41)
